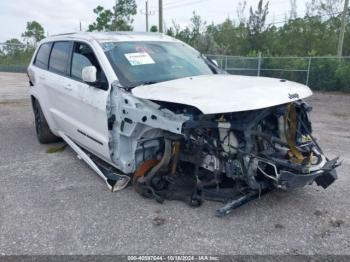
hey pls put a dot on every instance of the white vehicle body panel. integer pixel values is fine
(74, 107)
(225, 93)
(81, 111)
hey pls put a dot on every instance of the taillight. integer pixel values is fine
(31, 77)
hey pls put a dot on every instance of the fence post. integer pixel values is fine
(225, 63)
(259, 64)
(308, 72)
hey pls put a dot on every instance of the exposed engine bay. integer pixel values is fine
(234, 157)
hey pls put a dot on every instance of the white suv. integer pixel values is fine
(151, 108)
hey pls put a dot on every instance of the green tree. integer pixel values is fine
(170, 32)
(206, 44)
(257, 26)
(120, 18)
(293, 9)
(240, 12)
(332, 8)
(13, 47)
(197, 25)
(34, 33)
(103, 20)
(195, 32)
(154, 28)
(231, 39)
(181, 34)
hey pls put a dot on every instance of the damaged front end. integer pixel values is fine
(235, 157)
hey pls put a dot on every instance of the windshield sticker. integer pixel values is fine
(142, 58)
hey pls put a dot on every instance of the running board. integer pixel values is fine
(115, 182)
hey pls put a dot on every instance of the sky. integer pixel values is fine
(62, 16)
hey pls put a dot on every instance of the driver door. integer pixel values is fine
(86, 105)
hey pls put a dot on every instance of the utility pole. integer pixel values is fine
(342, 29)
(147, 16)
(147, 13)
(161, 16)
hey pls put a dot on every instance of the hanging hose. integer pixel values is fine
(164, 162)
(290, 119)
(176, 153)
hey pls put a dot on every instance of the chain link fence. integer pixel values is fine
(15, 57)
(320, 73)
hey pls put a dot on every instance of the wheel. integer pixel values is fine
(43, 131)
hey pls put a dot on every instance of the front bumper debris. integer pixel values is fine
(324, 177)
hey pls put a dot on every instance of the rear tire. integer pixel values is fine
(42, 128)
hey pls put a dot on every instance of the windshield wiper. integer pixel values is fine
(210, 63)
(149, 83)
(128, 88)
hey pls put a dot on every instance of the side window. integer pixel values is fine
(42, 58)
(84, 56)
(59, 57)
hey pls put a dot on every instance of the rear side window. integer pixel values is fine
(42, 58)
(59, 57)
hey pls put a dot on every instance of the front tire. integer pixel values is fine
(42, 128)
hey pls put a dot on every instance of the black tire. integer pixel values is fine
(42, 128)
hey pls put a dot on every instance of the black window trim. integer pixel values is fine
(70, 60)
(48, 60)
(65, 74)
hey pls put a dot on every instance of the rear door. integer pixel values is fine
(58, 87)
(40, 77)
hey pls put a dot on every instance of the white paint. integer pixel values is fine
(89, 74)
(224, 93)
(113, 37)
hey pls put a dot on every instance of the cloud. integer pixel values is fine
(49, 10)
(56, 16)
(61, 16)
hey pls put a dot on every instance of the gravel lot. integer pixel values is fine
(54, 204)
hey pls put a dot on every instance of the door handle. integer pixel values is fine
(68, 87)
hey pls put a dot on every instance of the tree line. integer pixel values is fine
(316, 33)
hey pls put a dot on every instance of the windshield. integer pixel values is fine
(137, 63)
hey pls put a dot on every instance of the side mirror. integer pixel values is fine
(89, 74)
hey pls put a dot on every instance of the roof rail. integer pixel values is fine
(72, 33)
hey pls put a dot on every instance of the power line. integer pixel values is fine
(175, 3)
(180, 3)
(186, 4)
(160, 7)
(284, 21)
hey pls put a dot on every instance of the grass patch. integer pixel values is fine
(53, 150)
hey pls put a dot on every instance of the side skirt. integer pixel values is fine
(115, 182)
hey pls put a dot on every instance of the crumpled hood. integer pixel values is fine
(214, 94)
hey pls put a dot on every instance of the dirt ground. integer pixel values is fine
(54, 204)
